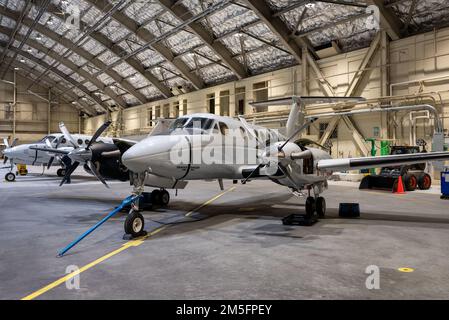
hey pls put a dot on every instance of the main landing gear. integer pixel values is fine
(61, 172)
(315, 208)
(315, 205)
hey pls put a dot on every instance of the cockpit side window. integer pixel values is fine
(224, 129)
(179, 124)
(49, 138)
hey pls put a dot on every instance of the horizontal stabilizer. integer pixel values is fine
(379, 162)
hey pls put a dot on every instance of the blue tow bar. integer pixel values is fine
(125, 202)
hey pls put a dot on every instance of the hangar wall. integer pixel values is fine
(32, 115)
(418, 64)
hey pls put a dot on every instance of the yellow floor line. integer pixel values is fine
(129, 244)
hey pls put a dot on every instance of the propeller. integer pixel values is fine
(82, 155)
(9, 146)
(280, 154)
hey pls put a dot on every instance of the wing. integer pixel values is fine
(378, 162)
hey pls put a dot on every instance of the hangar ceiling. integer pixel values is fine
(125, 53)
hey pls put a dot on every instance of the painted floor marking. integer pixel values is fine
(129, 244)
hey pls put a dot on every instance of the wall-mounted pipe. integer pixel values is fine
(432, 109)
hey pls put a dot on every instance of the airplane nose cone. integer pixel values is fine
(141, 156)
(14, 152)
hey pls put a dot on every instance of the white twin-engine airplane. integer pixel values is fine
(173, 155)
(34, 154)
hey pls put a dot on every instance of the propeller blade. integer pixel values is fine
(287, 174)
(97, 174)
(300, 129)
(98, 133)
(50, 162)
(6, 160)
(67, 135)
(69, 172)
(14, 142)
(252, 173)
(6, 142)
(12, 164)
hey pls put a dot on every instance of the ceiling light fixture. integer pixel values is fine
(310, 5)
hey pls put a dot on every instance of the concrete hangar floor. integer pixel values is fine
(238, 249)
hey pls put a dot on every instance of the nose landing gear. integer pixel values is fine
(135, 222)
(10, 177)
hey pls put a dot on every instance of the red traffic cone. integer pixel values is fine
(400, 186)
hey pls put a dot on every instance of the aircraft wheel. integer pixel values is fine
(10, 177)
(165, 198)
(321, 207)
(156, 197)
(134, 224)
(310, 207)
(60, 172)
(424, 181)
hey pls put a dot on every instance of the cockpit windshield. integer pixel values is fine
(196, 125)
(49, 138)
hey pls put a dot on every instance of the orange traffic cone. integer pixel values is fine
(400, 186)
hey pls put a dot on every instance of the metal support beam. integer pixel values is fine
(147, 37)
(357, 137)
(388, 20)
(119, 51)
(77, 49)
(276, 25)
(362, 74)
(69, 64)
(321, 78)
(59, 74)
(182, 13)
(52, 84)
(329, 130)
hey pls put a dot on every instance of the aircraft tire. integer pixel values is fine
(60, 172)
(321, 207)
(310, 207)
(134, 224)
(156, 197)
(164, 198)
(10, 177)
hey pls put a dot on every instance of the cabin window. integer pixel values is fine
(80, 142)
